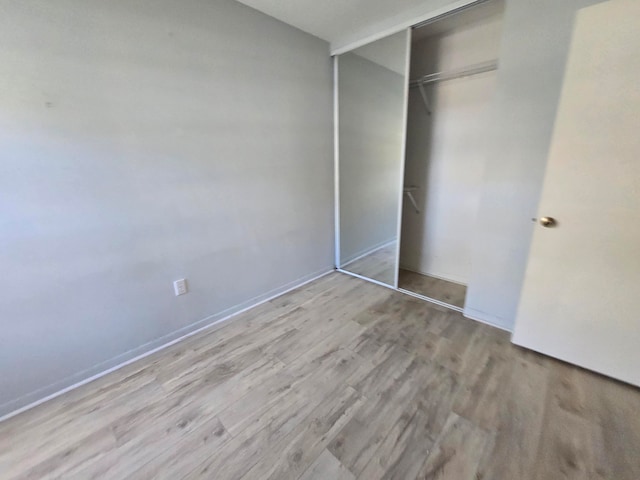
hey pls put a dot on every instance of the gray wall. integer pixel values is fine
(371, 99)
(144, 141)
(535, 44)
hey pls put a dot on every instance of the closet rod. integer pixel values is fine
(458, 73)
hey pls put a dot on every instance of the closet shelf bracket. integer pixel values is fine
(408, 191)
(425, 99)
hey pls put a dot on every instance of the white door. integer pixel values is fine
(581, 296)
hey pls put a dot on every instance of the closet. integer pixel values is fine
(411, 117)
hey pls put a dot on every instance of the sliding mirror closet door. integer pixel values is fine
(372, 88)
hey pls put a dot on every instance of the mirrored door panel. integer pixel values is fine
(372, 88)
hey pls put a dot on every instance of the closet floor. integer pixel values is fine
(339, 379)
(436, 288)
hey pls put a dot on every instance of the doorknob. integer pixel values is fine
(548, 222)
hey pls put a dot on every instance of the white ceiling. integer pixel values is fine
(333, 20)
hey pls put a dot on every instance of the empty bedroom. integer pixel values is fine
(310, 240)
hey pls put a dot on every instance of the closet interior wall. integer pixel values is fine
(445, 154)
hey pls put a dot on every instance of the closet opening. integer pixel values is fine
(453, 73)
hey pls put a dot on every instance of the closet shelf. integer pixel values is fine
(475, 69)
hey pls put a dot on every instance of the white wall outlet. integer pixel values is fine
(180, 286)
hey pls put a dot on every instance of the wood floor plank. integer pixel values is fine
(55, 414)
(454, 342)
(358, 441)
(457, 451)
(174, 463)
(483, 380)
(61, 464)
(209, 371)
(246, 448)
(565, 448)
(519, 424)
(214, 400)
(327, 467)
(299, 342)
(615, 408)
(36, 445)
(289, 417)
(307, 380)
(296, 452)
(436, 396)
(404, 449)
(338, 379)
(574, 439)
(145, 434)
(380, 374)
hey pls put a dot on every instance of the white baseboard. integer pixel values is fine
(491, 320)
(42, 395)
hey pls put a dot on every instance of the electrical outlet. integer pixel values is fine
(180, 286)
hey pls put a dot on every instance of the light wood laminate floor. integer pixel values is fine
(436, 288)
(341, 379)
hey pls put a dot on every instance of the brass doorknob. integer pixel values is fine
(548, 222)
